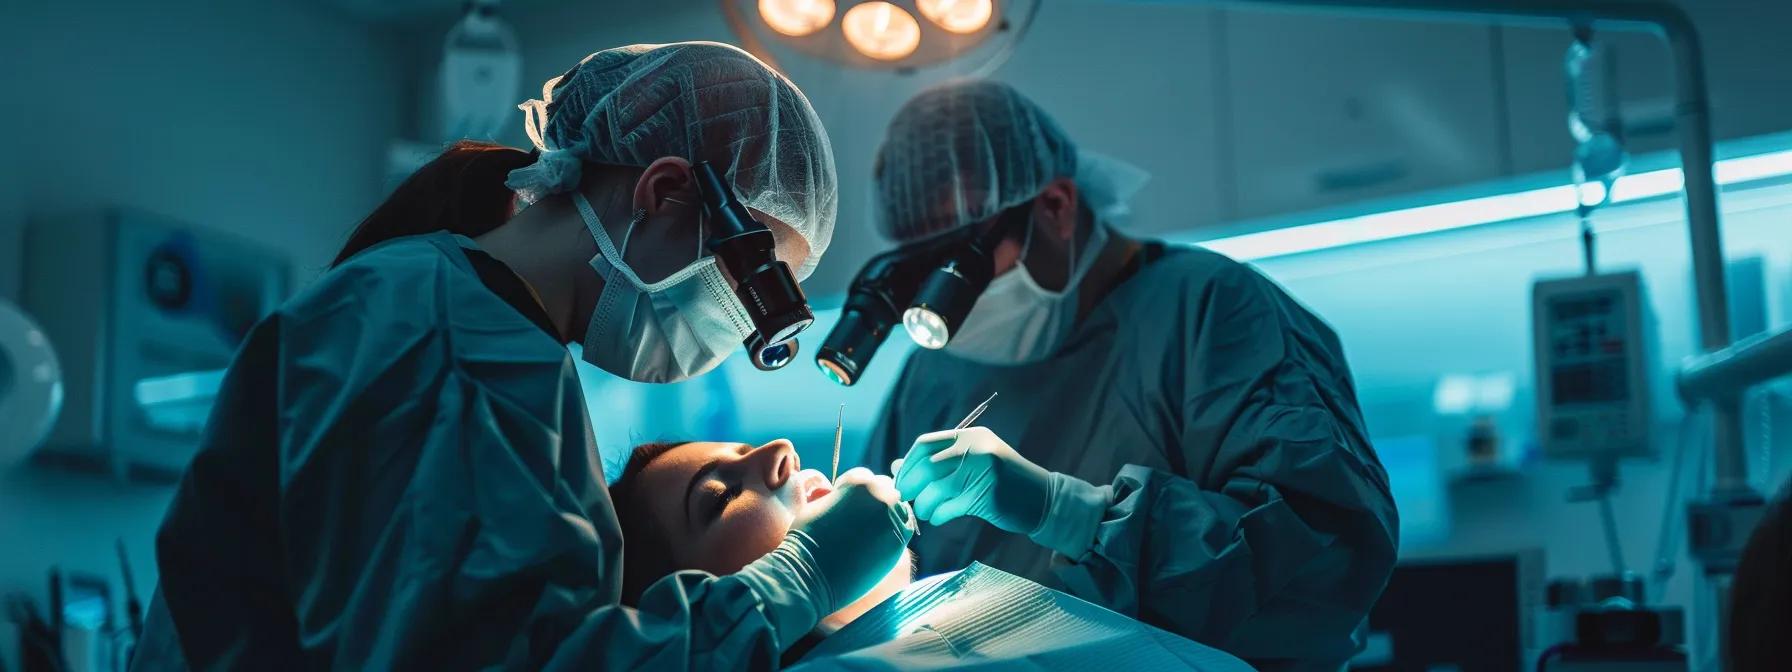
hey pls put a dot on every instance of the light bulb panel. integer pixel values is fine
(960, 17)
(796, 18)
(910, 37)
(881, 30)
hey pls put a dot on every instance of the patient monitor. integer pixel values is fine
(1594, 343)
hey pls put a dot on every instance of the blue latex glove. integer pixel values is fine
(836, 552)
(973, 472)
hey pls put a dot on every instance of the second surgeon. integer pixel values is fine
(1175, 438)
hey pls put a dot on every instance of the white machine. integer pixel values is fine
(477, 86)
(30, 385)
(481, 73)
(1595, 346)
(145, 314)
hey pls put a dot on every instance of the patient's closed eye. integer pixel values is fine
(719, 495)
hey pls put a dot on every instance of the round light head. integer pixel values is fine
(957, 16)
(881, 30)
(833, 370)
(926, 328)
(796, 18)
(773, 357)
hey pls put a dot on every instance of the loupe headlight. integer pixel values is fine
(873, 302)
(764, 285)
(928, 286)
(948, 292)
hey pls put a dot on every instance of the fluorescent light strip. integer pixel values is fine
(1759, 166)
(1477, 211)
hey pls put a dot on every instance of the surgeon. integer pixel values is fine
(1174, 437)
(400, 473)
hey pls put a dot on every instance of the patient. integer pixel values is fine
(717, 506)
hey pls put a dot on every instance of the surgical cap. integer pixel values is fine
(961, 152)
(701, 101)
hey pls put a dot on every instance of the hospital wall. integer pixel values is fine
(1225, 107)
(270, 121)
(1413, 311)
(1141, 81)
(1410, 313)
(266, 121)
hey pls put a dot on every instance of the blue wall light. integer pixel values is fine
(1406, 222)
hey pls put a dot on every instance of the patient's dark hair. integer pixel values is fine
(646, 554)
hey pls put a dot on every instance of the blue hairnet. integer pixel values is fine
(961, 152)
(701, 101)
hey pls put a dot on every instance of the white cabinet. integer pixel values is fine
(1324, 109)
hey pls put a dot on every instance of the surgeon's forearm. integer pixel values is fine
(686, 621)
(789, 588)
(1164, 540)
(1238, 567)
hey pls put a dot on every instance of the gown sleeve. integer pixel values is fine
(1282, 534)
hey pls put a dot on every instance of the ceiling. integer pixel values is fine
(396, 11)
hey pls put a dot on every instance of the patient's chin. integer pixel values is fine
(898, 578)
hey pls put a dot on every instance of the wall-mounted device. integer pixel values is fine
(480, 75)
(30, 385)
(1594, 350)
(146, 313)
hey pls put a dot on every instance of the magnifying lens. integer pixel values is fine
(948, 292)
(874, 303)
(764, 285)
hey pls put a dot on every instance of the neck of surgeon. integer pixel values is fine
(1109, 268)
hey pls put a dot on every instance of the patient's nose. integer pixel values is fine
(776, 461)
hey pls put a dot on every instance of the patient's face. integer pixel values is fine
(723, 505)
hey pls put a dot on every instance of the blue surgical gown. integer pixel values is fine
(1249, 510)
(400, 474)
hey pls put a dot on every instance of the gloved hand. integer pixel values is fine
(837, 550)
(973, 472)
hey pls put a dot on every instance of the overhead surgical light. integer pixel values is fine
(796, 18)
(959, 38)
(881, 30)
(957, 16)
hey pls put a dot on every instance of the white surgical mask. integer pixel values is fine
(1015, 321)
(664, 332)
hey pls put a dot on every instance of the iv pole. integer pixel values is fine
(1731, 503)
(1692, 117)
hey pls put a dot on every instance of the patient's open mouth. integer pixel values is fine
(814, 485)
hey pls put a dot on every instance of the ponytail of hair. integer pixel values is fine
(461, 191)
